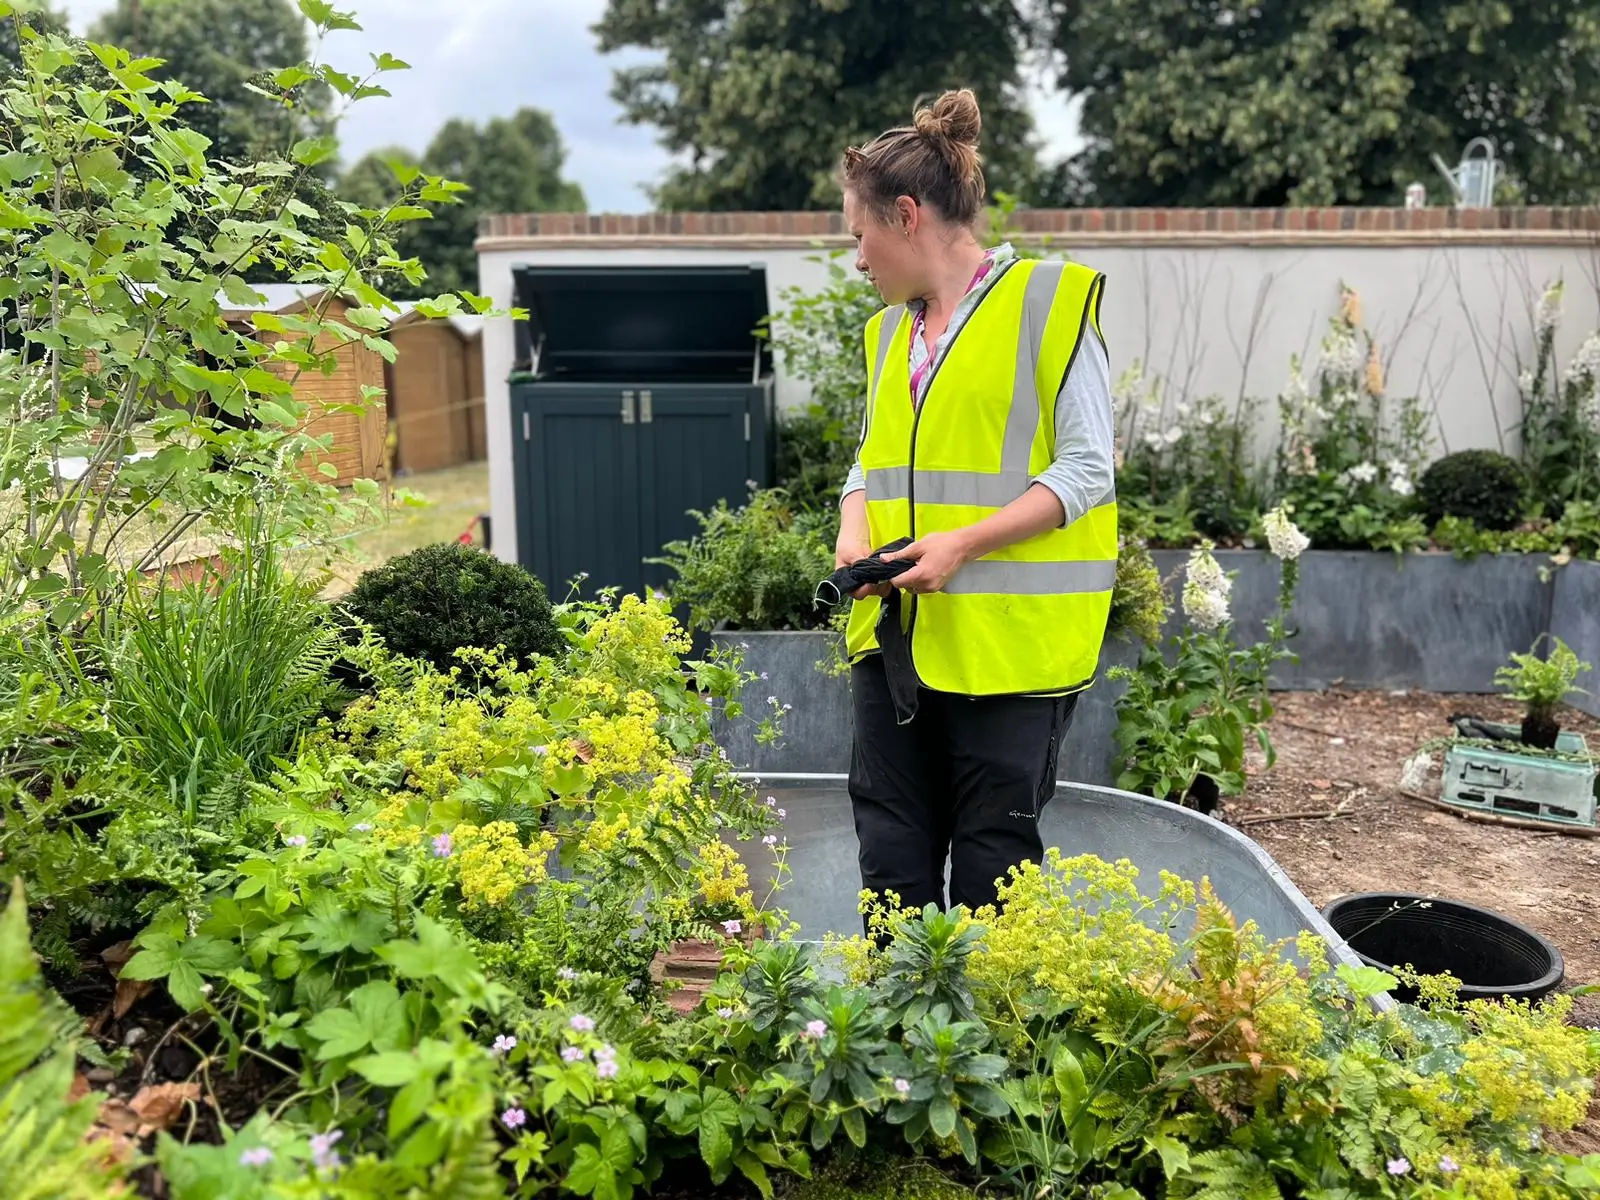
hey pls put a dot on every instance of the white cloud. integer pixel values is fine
(488, 58)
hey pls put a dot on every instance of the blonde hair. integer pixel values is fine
(934, 160)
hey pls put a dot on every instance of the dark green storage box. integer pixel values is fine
(638, 393)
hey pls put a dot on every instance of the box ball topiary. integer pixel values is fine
(433, 601)
(1481, 486)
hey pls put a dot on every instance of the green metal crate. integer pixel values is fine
(1557, 791)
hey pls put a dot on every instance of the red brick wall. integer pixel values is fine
(1103, 221)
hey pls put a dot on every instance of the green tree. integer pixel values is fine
(220, 48)
(44, 19)
(1325, 102)
(760, 97)
(511, 164)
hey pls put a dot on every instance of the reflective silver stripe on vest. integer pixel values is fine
(978, 488)
(887, 328)
(1023, 419)
(983, 489)
(986, 577)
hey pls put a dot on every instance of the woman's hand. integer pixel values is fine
(855, 542)
(938, 557)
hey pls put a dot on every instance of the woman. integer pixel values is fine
(987, 442)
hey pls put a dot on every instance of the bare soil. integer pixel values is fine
(1344, 750)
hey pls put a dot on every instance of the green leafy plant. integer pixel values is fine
(43, 1151)
(1138, 598)
(133, 415)
(191, 665)
(1560, 428)
(1196, 454)
(1482, 486)
(438, 599)
(1345, 442)
(946, 1081)
(1188, 711)
(1542, 685)
(817, 335)
(754, 567)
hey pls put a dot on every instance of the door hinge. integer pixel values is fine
(527, 426)
(647, 412)
(627, 408)
(747, 427)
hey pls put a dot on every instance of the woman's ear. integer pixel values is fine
(909, 213)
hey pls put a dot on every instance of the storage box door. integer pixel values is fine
(578, 488)
(694, 449)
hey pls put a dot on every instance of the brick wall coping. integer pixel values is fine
(1128, 226)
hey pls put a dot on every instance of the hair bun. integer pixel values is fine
(953, 116)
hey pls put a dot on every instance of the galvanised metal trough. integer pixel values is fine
(1154, 835)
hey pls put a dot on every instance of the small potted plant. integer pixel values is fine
(1542, 684)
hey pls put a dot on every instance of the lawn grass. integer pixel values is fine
(455, 496)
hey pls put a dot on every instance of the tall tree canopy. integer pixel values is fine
(217, 47)
(1192, 102)
(511, 164)
(760, 97)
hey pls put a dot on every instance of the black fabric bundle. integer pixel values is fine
(898, 667)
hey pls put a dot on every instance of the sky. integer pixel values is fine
(491, 57)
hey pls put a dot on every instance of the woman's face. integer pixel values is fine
(885, 250)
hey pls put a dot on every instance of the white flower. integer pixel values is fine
(1586, 362)
(1284, 538)
(1182, 411)
(1364, 472)
(1414, 774)
(1399, 477)
(1341, 356)
(1205, 572)
(1549, 314)
(1296, 392)
(1525, 382)
(1152, 439)
(1206, 416)
(1172, 436)
(1207, 610)
(1205, 595)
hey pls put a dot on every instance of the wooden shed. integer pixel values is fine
(358, 438)
(435, 387)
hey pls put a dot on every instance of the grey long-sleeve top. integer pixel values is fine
(1082, 473)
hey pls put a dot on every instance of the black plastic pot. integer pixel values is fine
(1494, 957)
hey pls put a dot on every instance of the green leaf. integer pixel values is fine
(942, 1116)
(423, 1148)
(409, 212)
(393, 1068)
(1174, 1154)
(1365, 982)
(388, 62)
(409, 1103)
(378, 1007)
(309, 152)
(340, 1031)
(12, 217)
(1071, 1085)
(435, 954)
(855, 1126)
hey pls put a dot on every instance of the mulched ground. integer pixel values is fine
(1341, 749)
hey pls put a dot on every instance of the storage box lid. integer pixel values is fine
(641, 324)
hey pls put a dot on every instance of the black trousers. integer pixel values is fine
(965, 780)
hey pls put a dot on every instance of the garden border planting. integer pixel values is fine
(1365, 619)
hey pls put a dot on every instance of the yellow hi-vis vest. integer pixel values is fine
(1027, 619)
